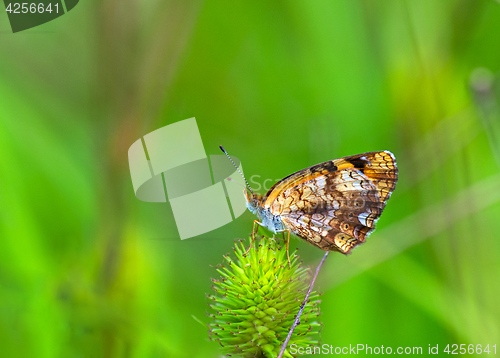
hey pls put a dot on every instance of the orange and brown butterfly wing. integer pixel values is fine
(334, 205)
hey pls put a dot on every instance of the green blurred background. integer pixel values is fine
(87, 270)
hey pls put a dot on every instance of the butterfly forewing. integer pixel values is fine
(334, 205)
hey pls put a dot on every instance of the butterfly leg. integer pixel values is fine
(287, 245)
(255, 222)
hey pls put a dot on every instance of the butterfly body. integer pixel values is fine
(332, 205)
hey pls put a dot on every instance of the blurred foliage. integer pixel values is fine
(86, 270)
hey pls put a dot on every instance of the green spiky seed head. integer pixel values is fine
(256, 301)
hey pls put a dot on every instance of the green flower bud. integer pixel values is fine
(256, 301)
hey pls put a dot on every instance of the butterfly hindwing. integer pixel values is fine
(335, 205)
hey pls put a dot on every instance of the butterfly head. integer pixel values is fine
(254, 201)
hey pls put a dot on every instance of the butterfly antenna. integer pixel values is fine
(235, 182)
(238, 169)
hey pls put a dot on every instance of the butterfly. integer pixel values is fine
(333, 205)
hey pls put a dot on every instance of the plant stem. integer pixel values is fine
(297, 319)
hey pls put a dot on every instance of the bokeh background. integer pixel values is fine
(86, 270)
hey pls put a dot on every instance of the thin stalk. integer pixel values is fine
(297, 319)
